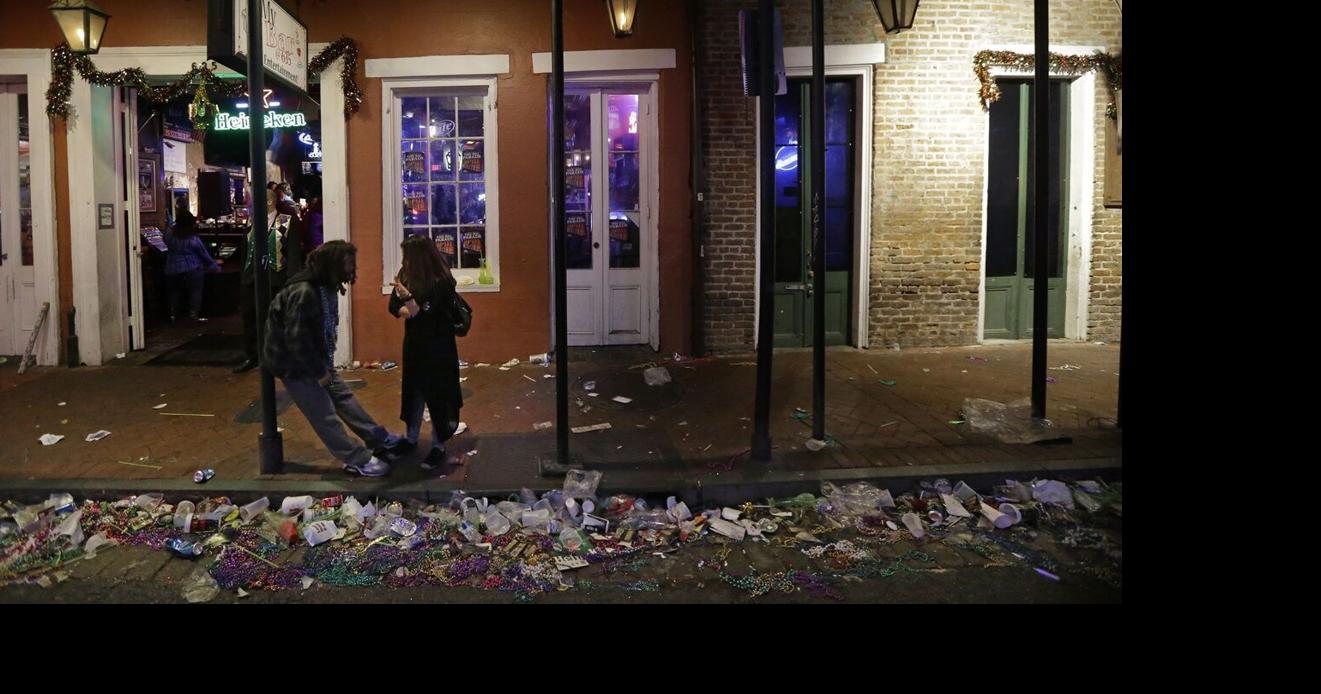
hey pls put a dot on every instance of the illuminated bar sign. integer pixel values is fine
(273, 119)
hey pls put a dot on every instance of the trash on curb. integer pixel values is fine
(657, 376)
(203, 476)
(590, 428)
(51, 439)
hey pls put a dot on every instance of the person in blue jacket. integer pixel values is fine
(186, 262)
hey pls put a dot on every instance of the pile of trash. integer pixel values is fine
(530, 544)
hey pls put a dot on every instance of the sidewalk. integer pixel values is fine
(684, 435)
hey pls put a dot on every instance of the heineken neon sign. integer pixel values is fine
(272, 119)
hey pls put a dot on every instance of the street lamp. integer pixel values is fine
(622, 13)
(896, 15)
(82, 22)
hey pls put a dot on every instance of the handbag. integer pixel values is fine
(462, 316)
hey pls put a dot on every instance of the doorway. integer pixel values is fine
(793, 224)
(608, 215)
(18, 310)
(1011, 211)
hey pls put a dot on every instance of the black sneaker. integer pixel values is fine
(436, 459)
(247, 365)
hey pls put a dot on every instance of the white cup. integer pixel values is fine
(254, 509)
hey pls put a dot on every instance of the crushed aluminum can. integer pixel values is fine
(203, 476)
(332, 501)
(185, 549)
(403, 527)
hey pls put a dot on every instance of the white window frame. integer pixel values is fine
(392, 225)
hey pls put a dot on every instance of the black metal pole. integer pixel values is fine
(761, 436)
(818, 174)
(1041, 196)
(1119, 412)
(270, 444)
(561, 255)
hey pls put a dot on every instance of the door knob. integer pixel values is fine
(596, 244)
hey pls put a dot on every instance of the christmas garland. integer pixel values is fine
(64, 62)
(1111, 65)
(346, 47)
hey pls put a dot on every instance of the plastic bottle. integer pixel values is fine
(496, 523)
(485, 277)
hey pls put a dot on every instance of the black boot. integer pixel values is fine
(247, 365)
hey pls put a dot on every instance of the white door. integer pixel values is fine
(128, 124)
(608, 215)
(18, 310)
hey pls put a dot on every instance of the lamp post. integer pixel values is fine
(896, 15)
(82, 22)
(622, 13)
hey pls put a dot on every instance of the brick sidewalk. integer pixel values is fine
(693, 428)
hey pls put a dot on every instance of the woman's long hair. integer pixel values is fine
(185, 225)
(326, 264)
(424, 266)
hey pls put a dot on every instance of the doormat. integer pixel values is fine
(204, 350)
(252, 413)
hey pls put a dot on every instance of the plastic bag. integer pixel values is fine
(496, 524)
(657, 376)
(1052, 492)
(654, 520)
(857, 499)
(1011, 423)
(200, 586)
(581, 484)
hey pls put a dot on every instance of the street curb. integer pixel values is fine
(722, 488)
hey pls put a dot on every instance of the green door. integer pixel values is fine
(793, 226)
(1011, 212)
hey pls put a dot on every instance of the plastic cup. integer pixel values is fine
(997, 519)
(1011, 512)
(914, 525)
(253, 509)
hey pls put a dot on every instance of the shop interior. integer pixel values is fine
(207, 174)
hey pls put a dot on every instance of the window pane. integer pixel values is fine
(472, 203)
(446, 242)
(839, 238)
(1002, 185)
(415, 205)
(786, 116)
(839, 178)
(413, 117)
(577, 122)
(1056, 159)
(442, 160)
(24, 182)
(625, 251)
(443, 204)
(839, 112)
(624, 185)
(472, 113)
(786, 176)
(473, 160)
(410, 232)
(474, 246)
(622, 122)
(25, 230)
(441, 116)
(578, 239)
(415, 162)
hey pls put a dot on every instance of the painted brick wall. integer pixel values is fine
(929, 154)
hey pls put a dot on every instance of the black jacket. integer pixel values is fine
(296, 346)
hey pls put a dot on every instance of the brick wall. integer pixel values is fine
(929, 153)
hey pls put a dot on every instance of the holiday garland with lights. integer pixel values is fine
(201, 79)
(1111, 65)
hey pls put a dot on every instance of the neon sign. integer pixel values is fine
(306, 139)
(272, 119)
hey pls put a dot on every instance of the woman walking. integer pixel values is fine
(185, 262)
(424, 296)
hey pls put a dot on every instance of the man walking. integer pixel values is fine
(300, 350)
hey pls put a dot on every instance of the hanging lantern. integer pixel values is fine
(82, 22)
(622, 13)
(896, 15)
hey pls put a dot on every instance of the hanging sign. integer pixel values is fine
(272, 119)
(284, 40)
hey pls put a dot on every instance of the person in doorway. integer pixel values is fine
(424, 296)
(186, 261)
(300, 349)
(278, 269)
